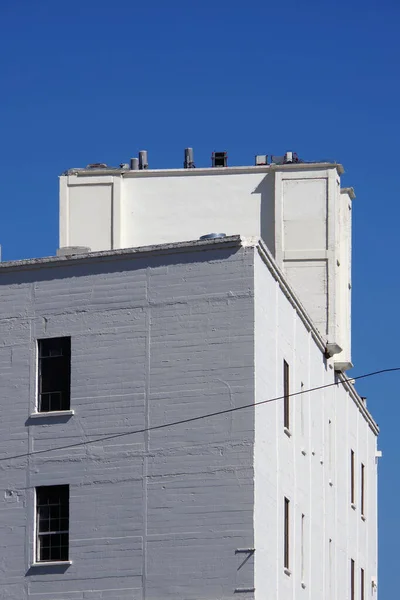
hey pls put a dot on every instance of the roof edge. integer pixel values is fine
(348, 190)
(157, 249)
(117, 172)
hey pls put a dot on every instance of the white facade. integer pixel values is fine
(310, 462)
(299, 210)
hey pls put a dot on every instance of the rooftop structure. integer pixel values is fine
(299, 209)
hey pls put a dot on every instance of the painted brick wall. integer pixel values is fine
(154, 339)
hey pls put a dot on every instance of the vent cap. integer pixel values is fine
(212, 236)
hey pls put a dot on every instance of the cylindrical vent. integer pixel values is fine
(212, 236)
(143, 162)
(134, 164)
(189, 159)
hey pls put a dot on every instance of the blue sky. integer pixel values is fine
(88, 81)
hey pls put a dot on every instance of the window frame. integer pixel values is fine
(286, 396)
(65, 394)
(39, 535)
(302, 542)
(362, 584)
(352, 478)
(352, 579)
(362, 498)
(286, 535)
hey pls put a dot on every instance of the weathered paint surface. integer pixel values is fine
(154, 340)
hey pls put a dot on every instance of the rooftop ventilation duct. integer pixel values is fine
(143, 161)
(189, 159)
(212, 236)
(219, 159)
(134, 164)
(261, 159)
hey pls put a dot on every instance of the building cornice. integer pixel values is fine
(126, 173)
(348, 190)
(349, 387)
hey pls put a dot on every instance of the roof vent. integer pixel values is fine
(97, 166)
(189, 159)
(124, 166)
(261, 159)
(143, 161)
(134, 164)
(219, 159)
(290, 157)
(212, 236)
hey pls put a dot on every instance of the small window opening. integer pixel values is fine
(54, 374)
(52, 523)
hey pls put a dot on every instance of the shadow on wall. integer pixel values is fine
(43, 569)
(266, 189)
(116, 263)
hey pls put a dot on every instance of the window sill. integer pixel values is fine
(287, 571)
(304, 452)
(52, 563)
(52, 413)
(303, 585)
(353, 506)
(287, 431)
(363, 518)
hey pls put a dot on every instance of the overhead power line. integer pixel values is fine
(198, 418)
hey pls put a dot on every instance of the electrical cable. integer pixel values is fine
(198, 418)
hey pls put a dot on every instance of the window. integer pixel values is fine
(54, 374)
(330, 571)
(362, 490)
(302, 409)
(286, 535)
(302, 547)
(52, 523)
(352, 495)
(352, 586)
(286, 407)
(362, 585)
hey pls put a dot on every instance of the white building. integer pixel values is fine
(273, 497)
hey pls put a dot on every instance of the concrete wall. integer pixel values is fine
(154, 339)
(176, 512)
(309, 464)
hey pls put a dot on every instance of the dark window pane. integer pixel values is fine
(53, 522)
(64, 524)
(44, 524)
(54, 374)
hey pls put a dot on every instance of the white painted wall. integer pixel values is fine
(297, 209)
(179, 208)
(311, 467)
